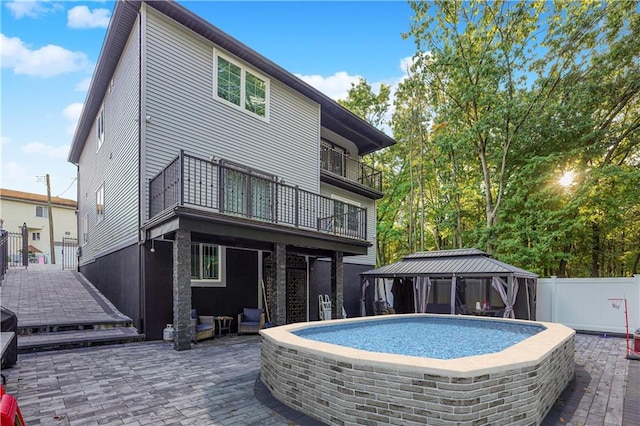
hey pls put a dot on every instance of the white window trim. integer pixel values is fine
(222, 281)
(243, 70)
(100, 217)
(44, 210)
(85, 230)
(100, 135)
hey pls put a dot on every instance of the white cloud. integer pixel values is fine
(335, 86)
(83, 86)
(32, 9)
(47, 61)
(4, 140)
(13, 171)
(57, 152)
(72, 113)
(82, 17)
(405, 64)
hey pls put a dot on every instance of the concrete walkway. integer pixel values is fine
(217, 382)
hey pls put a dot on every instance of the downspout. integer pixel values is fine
(306, 259)
(79, 236)
(141, 238)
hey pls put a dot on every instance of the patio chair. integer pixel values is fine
(251, 320)
(202, 326)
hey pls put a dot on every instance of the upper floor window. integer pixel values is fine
(241, 87)
(35, 236)
(347, 214)
(100, 128)
(42, 211)
(100, 204)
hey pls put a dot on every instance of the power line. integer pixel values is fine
(74, 179)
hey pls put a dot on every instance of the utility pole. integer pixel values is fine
(51, 239)
(52, 246)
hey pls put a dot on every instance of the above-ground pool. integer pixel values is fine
(514, 384)
(429, 337)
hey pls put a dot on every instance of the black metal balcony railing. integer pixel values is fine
(236, 190)
(349, 168)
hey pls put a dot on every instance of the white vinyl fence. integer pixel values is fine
(583, 303)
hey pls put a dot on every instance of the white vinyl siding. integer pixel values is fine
(184, 114)
(115, 165)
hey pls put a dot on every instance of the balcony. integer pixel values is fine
(238, 191)
(341, 170)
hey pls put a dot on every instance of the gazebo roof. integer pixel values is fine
(469, 263)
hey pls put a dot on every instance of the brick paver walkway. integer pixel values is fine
(46, 294)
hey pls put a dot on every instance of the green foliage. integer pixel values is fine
(503, 98)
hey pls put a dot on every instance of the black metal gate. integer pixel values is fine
(296, 289)
(14, 249)
(69, 253)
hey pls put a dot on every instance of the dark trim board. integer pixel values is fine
(158, 288)
(150, 303)
(241, 290)
(200, 221)
(116, 277)
(320, 284)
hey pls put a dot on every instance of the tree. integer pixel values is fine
(532, 90)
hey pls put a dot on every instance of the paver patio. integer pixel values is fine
(216, 382)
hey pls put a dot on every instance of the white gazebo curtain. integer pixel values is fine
(363, 307)
(508, 292)
(421, 291)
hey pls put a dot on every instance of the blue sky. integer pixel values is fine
(49, 50)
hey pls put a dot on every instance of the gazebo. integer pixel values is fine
(464, 281)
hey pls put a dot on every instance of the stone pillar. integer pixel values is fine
(279, 268)
(182, 290)
(337, 285)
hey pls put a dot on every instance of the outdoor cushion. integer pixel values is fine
(203, 327)
(251, 315)
(194, 314)
(251, 323)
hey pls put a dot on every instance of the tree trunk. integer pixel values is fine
(562, 269)
(595, 250)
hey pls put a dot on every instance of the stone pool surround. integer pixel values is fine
(340, 385)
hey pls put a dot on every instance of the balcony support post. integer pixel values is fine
(181, 180)
(296, 204)
(279, 270)
(337, 284)
(182, 290)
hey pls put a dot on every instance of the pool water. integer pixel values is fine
(429, 337)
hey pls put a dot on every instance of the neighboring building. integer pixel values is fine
(206, 170)
(18, 208)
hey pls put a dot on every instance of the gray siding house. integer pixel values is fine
(209, 177)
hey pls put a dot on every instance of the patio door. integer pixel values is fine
(248, 192)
